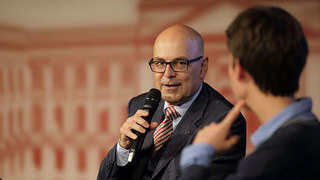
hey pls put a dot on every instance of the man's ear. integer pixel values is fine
(231, 60)
(241, 74)
(204, 67)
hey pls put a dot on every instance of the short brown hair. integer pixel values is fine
(271, 46)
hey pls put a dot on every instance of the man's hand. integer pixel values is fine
(135, 122)
(217, 134)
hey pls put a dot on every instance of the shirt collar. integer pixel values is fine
(182, 109)
(301, 108)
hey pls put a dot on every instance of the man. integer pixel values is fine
(268, 52)
(179, 67)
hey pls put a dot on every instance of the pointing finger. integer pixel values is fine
(233, 114)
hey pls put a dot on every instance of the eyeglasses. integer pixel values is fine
(177, 65)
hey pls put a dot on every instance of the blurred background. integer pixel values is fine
(69, 67)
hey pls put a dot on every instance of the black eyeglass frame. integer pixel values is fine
(188, 61)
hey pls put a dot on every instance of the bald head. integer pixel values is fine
(177, 44)
(179, 39)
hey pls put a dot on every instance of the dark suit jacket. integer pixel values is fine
(293, 152)
(209, 106)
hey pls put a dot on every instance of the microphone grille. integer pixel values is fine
(152, 99)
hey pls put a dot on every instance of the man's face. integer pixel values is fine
(177, 87)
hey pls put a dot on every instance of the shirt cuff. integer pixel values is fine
(122, 155)
(196, 154)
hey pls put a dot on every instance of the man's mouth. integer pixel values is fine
(169, 86)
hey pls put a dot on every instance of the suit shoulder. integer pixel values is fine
(136, 103)
(216, 98)
(139, 99)
(300, 131)
(295, 139)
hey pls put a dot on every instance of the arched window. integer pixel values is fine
(104, 120)
(82, 160)
(36, 73)
(37, 120)
(20, 121)
(60, 158)
(103, 75)
(11, 124)
(81, 76)
(59, 118)
(1, 127)
(2, 81)
(21, 80)
(58, 76)
(37, 157)
(81, 117)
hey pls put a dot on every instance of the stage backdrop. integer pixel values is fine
(64, 89)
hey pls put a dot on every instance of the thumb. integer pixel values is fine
(153, 125)
(231, 141)
(232, 115)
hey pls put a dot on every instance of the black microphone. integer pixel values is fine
(150, 105)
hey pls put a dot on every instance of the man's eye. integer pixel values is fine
(159, 63)
(180, 63)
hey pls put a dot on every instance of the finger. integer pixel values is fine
(138, 128)
(138, 118)
(131, 135)
(141, 112)
(231, 141)
(212, 124)
(127, 133)
(142, 122)
(232, 115)
(153, 125)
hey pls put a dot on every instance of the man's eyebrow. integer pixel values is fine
(180, 57)
(177, 58)
(159, 58)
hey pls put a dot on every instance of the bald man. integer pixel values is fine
(179, 68)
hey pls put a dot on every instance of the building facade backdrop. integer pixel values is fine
(64, 91)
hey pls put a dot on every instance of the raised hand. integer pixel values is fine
(135, 122)
(217, 134)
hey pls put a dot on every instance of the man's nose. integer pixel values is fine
(169, 71)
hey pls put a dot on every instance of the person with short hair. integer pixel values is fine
(268, 51)
(179, 67)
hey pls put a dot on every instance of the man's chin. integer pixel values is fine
(172, 100)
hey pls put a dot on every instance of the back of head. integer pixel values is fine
(271, 46)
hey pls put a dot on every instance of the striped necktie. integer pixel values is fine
(165, 129)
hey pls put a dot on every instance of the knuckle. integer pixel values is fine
(139, 111)
(130, 119)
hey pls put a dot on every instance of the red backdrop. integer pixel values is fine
(64, 92)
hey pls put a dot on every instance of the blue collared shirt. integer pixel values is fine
(199, 154)
(123, 154)
(300, 109)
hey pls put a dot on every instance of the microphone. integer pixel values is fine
(151, 104)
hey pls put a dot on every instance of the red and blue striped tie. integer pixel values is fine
(165, 129)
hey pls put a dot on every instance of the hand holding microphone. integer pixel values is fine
(134, 129)
(135, 122)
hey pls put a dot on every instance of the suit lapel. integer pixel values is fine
(185, 129)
